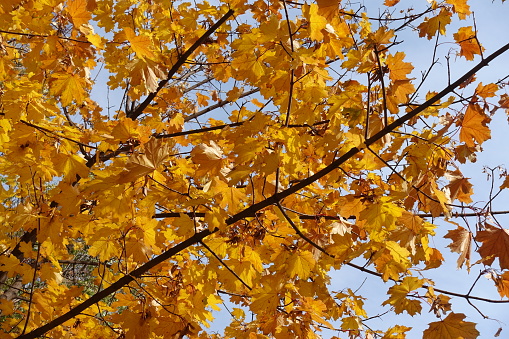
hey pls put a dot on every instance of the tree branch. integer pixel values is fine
(117, 285)
(139, 110)
(219, 104)
(303, 216)
(460, 295)
(251, 211)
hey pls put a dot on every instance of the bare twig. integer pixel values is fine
(182, 59)
(32, 287)
(226, 266)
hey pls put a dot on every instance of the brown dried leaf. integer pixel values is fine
(461, 243)
(459, 187)
(495, 244)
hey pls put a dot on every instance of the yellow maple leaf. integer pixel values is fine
(460, 7)
(461, 243)
(431, 26)
(95, 39)
(69, 198)
(301, 264)
(69, 86)
(495, 244)
(452, 327)
(140, 44)
(398, 296)
(125, 129)
(473, 129)
(77, 9)
(381, 214)
(399, 254)
(139, 165)
(265, 299)
(316, 22)
(328, 8)
(9, 263)
(70, 165)
(397, 67)
(215, 219)
(238, 313)
(350, 323)
(231, 197)
(102, 244)
(466, 38)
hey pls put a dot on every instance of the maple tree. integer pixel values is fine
(256, 148)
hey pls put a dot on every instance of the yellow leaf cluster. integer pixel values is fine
(159, 158)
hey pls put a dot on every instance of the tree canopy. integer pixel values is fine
(160, 158)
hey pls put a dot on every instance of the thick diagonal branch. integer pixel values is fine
(141, 108)
(251, 211)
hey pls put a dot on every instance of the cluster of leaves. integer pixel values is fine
(246, 134)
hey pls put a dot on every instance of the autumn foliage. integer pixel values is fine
(159, 158)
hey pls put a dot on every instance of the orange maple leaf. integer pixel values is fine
(467, 39)
(460, 7)
(398, 68)
(141, 44)
(502, 283)
(391, 3)
(495, 244)
(473, 129)
(486, 91)
(430, 27)
(459, 187)
(452, 327)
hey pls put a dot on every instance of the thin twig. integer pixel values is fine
(309, 241)
(182, 59)
(225, 265)
(30, 299)
(218, 105)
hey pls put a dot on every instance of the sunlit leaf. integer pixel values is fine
(473, 126)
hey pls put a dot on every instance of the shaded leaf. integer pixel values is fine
(452, 327)
(78, 11)
(461, 243)
(495, 244)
